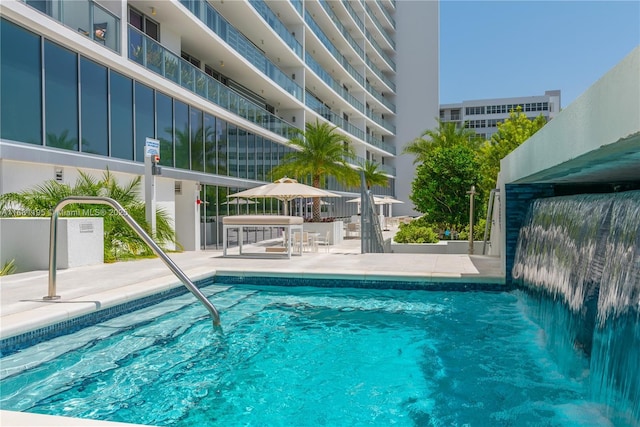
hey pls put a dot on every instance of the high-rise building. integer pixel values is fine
(483, 115)
(222, 85)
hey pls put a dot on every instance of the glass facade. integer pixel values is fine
(94, 108)
(84, 106)
(121, 108)
(20, 85)
(61, 97)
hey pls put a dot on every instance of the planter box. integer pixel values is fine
(80, 242)
(442, 247)
(335, 229)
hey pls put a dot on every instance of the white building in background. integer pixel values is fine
(483, 115)
(221, 84)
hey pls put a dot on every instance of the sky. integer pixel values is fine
(503, 49)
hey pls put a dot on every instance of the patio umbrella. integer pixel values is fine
(379, 201)
(285, 189)
(240, 202)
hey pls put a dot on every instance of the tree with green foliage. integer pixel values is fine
(373, 175)
(511, 133)
(120, 241)
(440, 187)
(447, 134)
(319, 152)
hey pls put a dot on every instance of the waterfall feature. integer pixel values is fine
(579, 257)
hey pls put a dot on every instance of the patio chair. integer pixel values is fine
(325, 242)
(353, 228)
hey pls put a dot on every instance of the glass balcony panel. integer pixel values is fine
(171, 66)
(154, 56)
(86, 17)
(187, 75)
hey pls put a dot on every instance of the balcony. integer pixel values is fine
(85, 17)
(243, 46)
(155, 57)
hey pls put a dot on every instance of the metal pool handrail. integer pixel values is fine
(136, 227)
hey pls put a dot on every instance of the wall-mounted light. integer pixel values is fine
(222, 63)
(153, 11)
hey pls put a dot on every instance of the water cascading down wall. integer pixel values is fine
(578, 258)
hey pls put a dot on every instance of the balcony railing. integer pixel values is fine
(216, 23)
(381, 121)
(326, 77)
(343, 30)
(389, 170)
(379, 26)
(272, 19)
(353, 14)
(377, 142)
(386, 13)
(84, 16)
(382, 53)
(155, 57)
(333, 50)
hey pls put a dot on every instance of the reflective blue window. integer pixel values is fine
(164, 128)
(61, 96)
(121, 116)
(145, 124)
(93, 102)
(197, 140)
(210, 137)
(20, 88)
(182, 135)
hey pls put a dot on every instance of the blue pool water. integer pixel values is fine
(310, 357)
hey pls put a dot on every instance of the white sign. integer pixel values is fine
(151, 147)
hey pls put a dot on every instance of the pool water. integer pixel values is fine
(309, 357)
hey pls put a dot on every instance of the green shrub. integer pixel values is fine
(120, 241)
(415, 232)
(478, 230)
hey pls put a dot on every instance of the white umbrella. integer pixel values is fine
(285, 189)
(386, 200)
(376, 200)
(240, 202)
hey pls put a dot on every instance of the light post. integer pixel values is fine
(471, 194)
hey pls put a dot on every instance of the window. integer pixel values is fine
(191, 59)
(182, 134)
(93, 101)
(121, 116)
(144, 24)
(164, 128)
(144, 113)
(61, 97)
(197, 140)
(20, 86)
(210, 160)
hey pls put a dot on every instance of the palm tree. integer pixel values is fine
(447, 134)
(120, 241)
(373, 175)
(320, 151)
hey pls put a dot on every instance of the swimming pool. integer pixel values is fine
(309, 356)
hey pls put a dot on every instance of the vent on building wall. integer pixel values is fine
(59, 174)
(178, 187)
(86, 227)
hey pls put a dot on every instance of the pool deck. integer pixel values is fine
(87, 289)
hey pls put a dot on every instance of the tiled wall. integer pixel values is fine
(518, 198)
